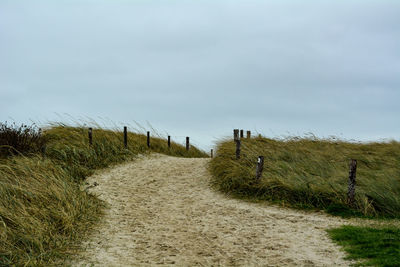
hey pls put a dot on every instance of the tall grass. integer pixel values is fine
(43, 212)
(69, 147)
(309, 172)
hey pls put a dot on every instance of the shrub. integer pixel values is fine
(22, 139)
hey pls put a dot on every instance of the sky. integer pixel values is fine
(203, 68)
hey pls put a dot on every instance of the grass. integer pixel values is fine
(313, 173)
(375, 247)
(43, 212)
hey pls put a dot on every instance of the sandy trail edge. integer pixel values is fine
(162, 211)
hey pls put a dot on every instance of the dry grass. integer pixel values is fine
(43, 212)
(307, 172)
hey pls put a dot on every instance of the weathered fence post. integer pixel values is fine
(236, 134)
(241, 134)
(187, 143)
(125, 137)
(248, 134)
(238, 149)
(352, 183)
(169, 141)
(148, 139)
(212, 153)
(260, 167)
(237, 141)
(90, 133)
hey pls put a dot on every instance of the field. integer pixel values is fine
(313, 173)
(43, 210)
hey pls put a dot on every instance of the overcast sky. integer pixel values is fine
(202, 68)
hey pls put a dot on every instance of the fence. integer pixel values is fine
(148, 141)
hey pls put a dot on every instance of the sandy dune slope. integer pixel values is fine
(162, 211)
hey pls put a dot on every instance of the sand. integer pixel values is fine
(161, 210)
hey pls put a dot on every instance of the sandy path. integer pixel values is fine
(162, 211)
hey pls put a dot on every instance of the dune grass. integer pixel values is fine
(69, 147)
(313, 173)
(374, 247)
(43, 211)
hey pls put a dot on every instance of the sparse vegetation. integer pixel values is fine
(43, 211)
(313, 173)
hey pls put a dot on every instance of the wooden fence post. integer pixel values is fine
(187, 143)
(260, 167)
(241, 134)
(236, 134)
(125, 137)
(237, 141)
(148, 139)
(248, 134)
(237, 149)
(169, 141)
(212, 153)
(90, 133)
(352, 183)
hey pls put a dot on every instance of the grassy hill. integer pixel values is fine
(308, 172)
(43, 211)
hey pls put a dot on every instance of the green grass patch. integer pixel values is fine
(375, 247)
(43, 211)
(313, 173)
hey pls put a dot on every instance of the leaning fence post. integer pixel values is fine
(352, 183)
(187, 143)
(148, 139)
(125, 137)
(241, 134)
(248, 134)
(260, 167)
(237, 141)
(90, 133)
(169, 141)
(212, 153)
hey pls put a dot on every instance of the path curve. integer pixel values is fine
(162, 211)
